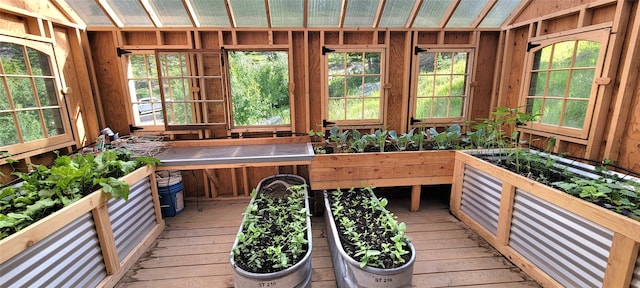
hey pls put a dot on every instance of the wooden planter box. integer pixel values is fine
(91, 243)
(556, 238)
(382, 169)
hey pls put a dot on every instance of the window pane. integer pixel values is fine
(587, 54)
(46, 92)
(552, 111)
(581, 82)
(39, 62)
(431, 13)
(423, 109)
(336, 86)
(4, 98)
(355, 109)
(286, 13)
(443, 86)
(21, 92)
(53, 121)
(336, 63)
(457, 85)
(425, 86)
(354, 63)
(360, 13)
(575, 113)
(8, 133)
(541, 59)
(562, 54)
(440, 107)
(355, 86)
(534, 105)
(176, 89)
(444, 62)
(259, 87)
(426, 63)
(455, 108)
(538, 81)
(371, 86)
(12, 58)
(138, 67)
(249, 13)
(396, 13)
(460, 63)
(336, 109)
(372, 108)
(30, 125)
(174, 65)
(372, 63)
(324, 13)
(558, 83)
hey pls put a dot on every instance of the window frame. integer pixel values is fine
(362, 123)
(413, 120)
(601, 36)
(47, 143)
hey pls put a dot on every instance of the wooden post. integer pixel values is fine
(622, 260)
(105, 234)
(415, 197)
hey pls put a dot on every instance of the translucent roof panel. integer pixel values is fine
(360, 13)
(90, 12)
(466, 12)
(324, 13)
(211, 13)
(130, 12)
(396, 13)
(171, 13)
(249, 13)
(431, 13)
(286, 13)
(500, 11)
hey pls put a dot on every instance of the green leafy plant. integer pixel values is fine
(46, 190)
(447, 139)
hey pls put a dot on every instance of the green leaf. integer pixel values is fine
(39, 206)
(117, 188)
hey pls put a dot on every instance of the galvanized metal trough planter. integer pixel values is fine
(90, 243)
(556, 238)
(349, 273)
(296, 276)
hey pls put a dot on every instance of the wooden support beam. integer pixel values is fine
(415, 197)
(622, 260)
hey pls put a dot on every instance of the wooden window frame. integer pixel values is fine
(363, 123)
(601, 36)
(414, 121)
(48, 143)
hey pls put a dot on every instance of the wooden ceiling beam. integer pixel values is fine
(111, 14)
(487, 8)
(343, 13)
(148, 8)
(413, 14)
(449, 13)
(379, 11)
(191, 12)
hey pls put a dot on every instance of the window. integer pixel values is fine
(259, 84)
(32, 110)
(353, 86)
(560, 83)
(441, 89)
(175, 90)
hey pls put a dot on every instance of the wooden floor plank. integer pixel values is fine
(193, 251)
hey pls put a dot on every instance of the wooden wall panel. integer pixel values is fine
(360, 37)
(209, 40)
(315, 82)
(539, 8)
(299, 79)
(397, 94)
(630, 149)
(516, 63)
(483, 75)
(561, 24)
(13, 23)
(110, 81)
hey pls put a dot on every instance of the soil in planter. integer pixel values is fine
(368, 232)
(274, 234)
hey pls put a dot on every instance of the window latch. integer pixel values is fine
(121, 51)
(326, 50)
(134, 128)
(414, 121)
(417, 50)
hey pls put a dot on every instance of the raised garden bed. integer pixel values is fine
(273, 245)
(90, 243)
(368, 246)
(558, 239)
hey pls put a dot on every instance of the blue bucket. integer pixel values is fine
(171, 199)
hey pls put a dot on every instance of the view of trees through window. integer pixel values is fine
(441, 84)
(145, 89)
(259, 87)
(561, 79)
(29, 106)
(354, 83)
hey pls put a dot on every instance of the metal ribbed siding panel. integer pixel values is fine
(571, 249)
(481, 198)
(70, 257)
(132, 220)
(635, 282)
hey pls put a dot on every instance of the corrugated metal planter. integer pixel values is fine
(90, 243)
(347, 270)
(296, 276)
(558, 239)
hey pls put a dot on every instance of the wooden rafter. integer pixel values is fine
(191, 12)
(413, 14)
(268, 13)
(343, 13)
(447, 15)
(305, 14)
(487, 8)
(379, 11)
(516, 12)
(232, 20)
(68, 12)
(110, 13)
(148, 8)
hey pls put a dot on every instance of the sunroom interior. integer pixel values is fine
(228, 92)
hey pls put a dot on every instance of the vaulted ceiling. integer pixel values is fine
(312, 14)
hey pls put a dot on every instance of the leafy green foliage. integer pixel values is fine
(70, 178)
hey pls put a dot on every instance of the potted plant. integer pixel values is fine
(69, 214)
(563, 222)
(368, 246)
(273, 244)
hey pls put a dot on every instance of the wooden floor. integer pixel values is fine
(193, 251)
